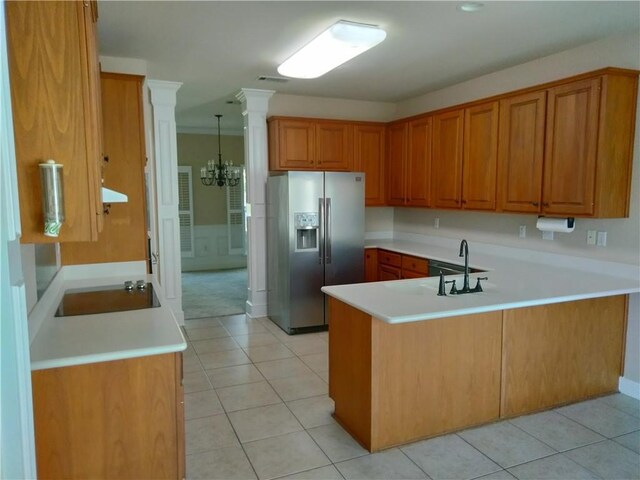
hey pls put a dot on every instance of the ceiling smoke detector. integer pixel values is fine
(268, 78)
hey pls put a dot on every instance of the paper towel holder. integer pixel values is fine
(562, 224)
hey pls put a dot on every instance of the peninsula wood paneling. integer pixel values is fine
(110, 420)
(124, 234)
(434, 376)
(559, 353)
(350, 368)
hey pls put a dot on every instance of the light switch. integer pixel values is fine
(523, 231)
(436, 223)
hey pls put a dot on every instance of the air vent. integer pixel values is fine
(267, 78)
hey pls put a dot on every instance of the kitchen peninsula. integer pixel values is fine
(406, 364)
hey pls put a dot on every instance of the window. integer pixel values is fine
(236, 221)
(185, 211)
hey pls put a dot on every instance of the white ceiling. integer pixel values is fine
(215, 48)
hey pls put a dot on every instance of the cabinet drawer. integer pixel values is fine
(415, 264)
(410, 274)
(386, 272)
(389, 258)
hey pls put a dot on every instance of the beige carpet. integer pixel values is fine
(214, 293)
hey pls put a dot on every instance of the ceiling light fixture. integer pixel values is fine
(222, 173)
(471, 6)
(338, 44)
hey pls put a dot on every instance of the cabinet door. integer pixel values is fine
(369, 158)
(386, 272)
(446, 164)
(334, 146)
(396, 163)
(124, 236)
(418, 169)
(570, 157)
(116, 419)
(370, 264)
(93, 108)
(296, 145)
(50, 73)
(480, 157)
(521, 152)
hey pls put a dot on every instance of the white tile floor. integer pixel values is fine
(256, 406)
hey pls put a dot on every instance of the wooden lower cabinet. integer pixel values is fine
(370, 264)
(397, 383)
(117, 419)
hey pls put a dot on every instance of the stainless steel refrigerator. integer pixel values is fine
(315, 237)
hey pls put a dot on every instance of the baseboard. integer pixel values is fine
(629, 387)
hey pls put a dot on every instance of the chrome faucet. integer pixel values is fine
(464, 252)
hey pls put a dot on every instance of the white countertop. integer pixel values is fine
(81, 339)
(513, 283)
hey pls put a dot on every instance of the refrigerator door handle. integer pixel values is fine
(321, 227)
(327, 231)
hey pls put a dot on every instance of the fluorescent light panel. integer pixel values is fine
(338, 44)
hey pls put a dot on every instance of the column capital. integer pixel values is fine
(254, 100)
(163, 92)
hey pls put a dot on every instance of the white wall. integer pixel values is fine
(211, 250)
(131, 66)
(623, 242)
(378, 220)
(335, 108)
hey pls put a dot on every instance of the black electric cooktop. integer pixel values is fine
(106, 299)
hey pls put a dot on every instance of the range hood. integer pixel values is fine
(111, 196)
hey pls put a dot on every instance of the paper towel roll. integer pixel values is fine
(564, 225)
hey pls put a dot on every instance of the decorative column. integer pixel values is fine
(165, 158)
(255, 104)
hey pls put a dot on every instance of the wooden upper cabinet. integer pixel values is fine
(521, 152)
(292, 144)
(334, 146)
(310, 144)
(446, 163)
(571, 148)
(418, 170)
(480, 157)
(53, 70)
(396, 163)
(369, 157)
(124, 236)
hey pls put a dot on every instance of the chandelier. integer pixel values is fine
(220, 173)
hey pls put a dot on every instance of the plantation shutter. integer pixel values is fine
(235, 215)
(185, 211)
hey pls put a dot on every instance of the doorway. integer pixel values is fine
(213, 232)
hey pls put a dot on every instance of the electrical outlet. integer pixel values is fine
(436, 223)
(591, 237)
(523, 231)
(602, 239)
(547, 235)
